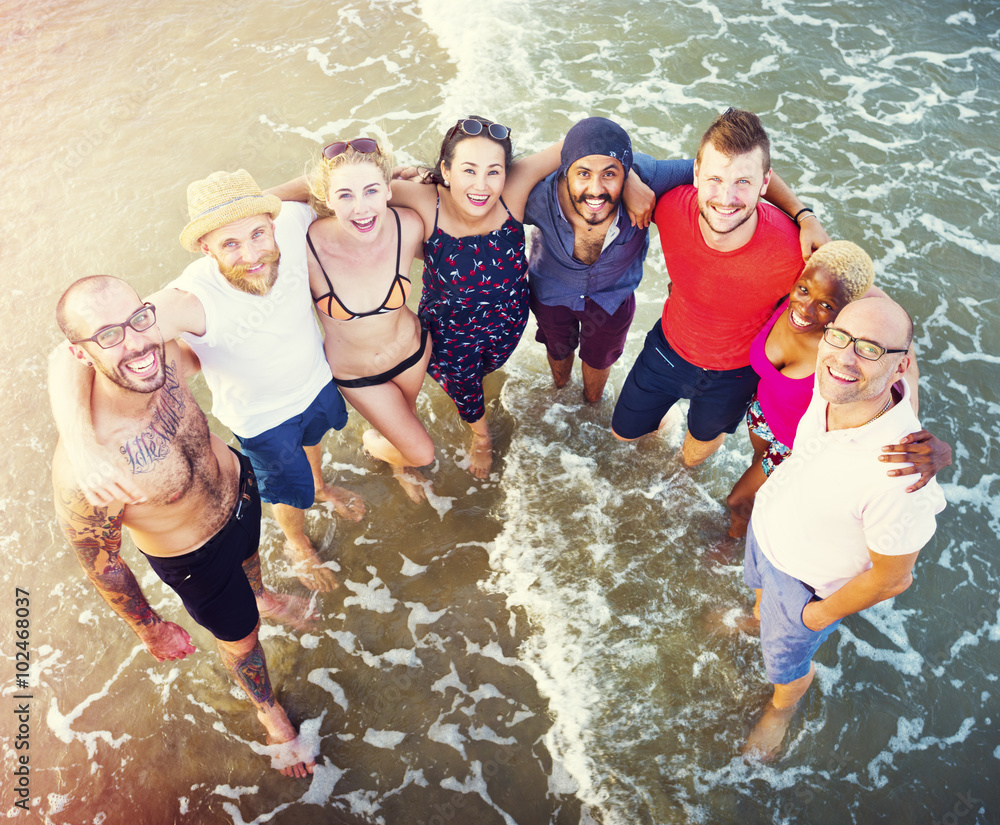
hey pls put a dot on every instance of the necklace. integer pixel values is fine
(880, 412)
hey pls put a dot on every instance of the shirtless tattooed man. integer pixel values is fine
(198, 521)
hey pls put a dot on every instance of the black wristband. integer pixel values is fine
(795, 217)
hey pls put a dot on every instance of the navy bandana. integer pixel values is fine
(596, 136)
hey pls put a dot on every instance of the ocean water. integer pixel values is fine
(535, 648)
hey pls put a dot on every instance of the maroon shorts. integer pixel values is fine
(600, 336)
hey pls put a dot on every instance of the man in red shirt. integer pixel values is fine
(730, 258)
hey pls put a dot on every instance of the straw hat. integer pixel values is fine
(221, 198)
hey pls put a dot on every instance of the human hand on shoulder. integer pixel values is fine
(101, 480)
(166, 640)
(812, 235)
(639, 200)
(927, 454)
(414, 173)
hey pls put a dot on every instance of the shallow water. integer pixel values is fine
(532, 649)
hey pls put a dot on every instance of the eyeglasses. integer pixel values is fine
(112, 336)
(868, 350)
(366, 146)
(473, 127)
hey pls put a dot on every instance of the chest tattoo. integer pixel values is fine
(153, 444)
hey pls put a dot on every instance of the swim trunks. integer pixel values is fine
(280, 463)
(786, 643)
(600, 335)
(660, 377)
(210, 580)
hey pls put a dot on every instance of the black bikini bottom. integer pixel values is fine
(388, 375)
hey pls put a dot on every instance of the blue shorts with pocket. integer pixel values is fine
(210, 580)
(787, 644)
(282, 469)
(659, 378)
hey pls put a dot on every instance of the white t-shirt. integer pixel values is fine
(262, 356)
(830, 501)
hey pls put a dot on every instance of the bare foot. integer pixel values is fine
(347, 504)
(764, 742)
(288, 755)
(310, 570)
(292, 611)
(414, 483)
(481, 456)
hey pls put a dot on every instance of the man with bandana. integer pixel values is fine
(586, 257)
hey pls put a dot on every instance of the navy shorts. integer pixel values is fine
(282, 469)
(787, 644)
(210, 580)
(660, 377)
(600, 336)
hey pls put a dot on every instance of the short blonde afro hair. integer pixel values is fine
(848, 263)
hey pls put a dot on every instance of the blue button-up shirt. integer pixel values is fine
(557, 278)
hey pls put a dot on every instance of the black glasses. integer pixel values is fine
(366, 146)
(473, 127)
(112, 336)
(868, 350)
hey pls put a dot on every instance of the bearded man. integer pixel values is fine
(586, 256)
(198, 518)
(730, 258)
(245, 310)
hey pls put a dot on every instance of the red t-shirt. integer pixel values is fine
(720, 300)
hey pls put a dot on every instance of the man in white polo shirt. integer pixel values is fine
(831, 533)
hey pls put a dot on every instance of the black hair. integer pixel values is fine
(454, 137)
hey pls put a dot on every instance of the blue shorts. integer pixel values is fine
(282, 468)
(210, 580)
(660, 377)
(787, 644)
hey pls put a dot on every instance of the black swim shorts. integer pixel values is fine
(210, 580)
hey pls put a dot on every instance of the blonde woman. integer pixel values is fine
(360, 252)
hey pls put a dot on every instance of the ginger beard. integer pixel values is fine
(257, 283)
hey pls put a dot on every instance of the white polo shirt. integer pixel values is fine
(262, 356)
(830, 501)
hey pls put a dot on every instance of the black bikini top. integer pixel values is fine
(395, 299)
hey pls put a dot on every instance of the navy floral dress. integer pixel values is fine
(475, 305)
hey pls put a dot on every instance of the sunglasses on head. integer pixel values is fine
(366, 146)
(474, 127)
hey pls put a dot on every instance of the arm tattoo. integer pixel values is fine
(96, 539)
